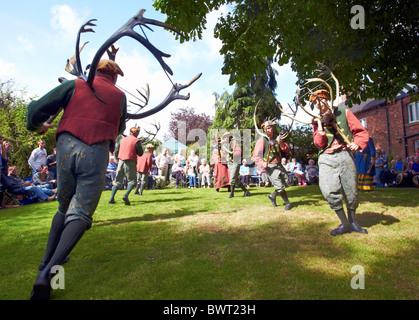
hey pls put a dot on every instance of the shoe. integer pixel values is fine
(112, 202)
(340, 230)
(357, 228)
(42, 288)
(125, 198)
(247, 194)
(288, 206)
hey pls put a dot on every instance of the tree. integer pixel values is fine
(372, 51)
(186, 125)
(13, 127)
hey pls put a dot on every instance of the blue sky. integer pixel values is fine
(39, 36)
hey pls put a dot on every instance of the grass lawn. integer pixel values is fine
(198, 244)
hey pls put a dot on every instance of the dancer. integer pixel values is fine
(85, 134)
(127, 152)
(267, 154)
(233, 154)
(144, 164)
(337, 169)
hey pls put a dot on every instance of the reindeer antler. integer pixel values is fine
(255, 122)
(151, 135)
(75, 60)
(128, 30)
(280, 136)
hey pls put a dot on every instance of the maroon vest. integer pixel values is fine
(89, 119)
(127, 148)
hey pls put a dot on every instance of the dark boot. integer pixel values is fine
(355, 226)
(284, 197)
(246, 192)
(70, 236)
(232, 192)
(114, 190)
(340, 230)
(141, 189)
(125, 197)
(136, 189)
(57, 227)
(272, 197)
(344, 227)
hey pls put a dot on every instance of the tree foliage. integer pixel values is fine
(374, 62)
(185, 119)
(13, 111)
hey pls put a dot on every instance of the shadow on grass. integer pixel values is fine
(369, 219)
(147, 217)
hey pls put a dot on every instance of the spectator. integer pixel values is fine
(177, 172)
(6, 146)
(415, 171)
(205, 171)
(379, 167)
(179, 157)
(193, 160)
(190, 171)
(398, 166)
(384, 156)
(297, 170)
(111, 168)
(312, 172)
(52, 164)
(15, 184)
(162, 163)
(244, 173)
(38, 157)
(43, 179)
(290, 175)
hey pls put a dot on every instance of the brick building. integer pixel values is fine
(393, 125)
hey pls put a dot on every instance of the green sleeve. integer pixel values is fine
(122, 119)
(40, 110)
(139, 148)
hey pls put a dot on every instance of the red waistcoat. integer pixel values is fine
(89, 119)
(127, 148)
(145, 162)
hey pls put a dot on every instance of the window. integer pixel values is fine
(413, 111)
(363, 122)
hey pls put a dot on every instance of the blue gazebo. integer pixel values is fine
(174, 145)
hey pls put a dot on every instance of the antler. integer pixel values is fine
(292, 117)
(173, 95)
(75, 60)
(151, 135)
(255, 122)
(280, 136)
(128, 30)
(288, 127)
(328, 71)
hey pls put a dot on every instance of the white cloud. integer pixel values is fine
(67, 20)
(7, 70)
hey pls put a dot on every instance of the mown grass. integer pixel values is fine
(197, 244)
